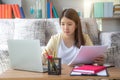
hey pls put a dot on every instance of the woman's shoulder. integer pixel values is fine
(85, 35)
(56, 36)
(87, 39)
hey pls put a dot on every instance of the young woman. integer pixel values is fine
(66, 44)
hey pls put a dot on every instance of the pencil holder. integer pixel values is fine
(54, 66)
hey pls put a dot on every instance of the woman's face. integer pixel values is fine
(68, 26)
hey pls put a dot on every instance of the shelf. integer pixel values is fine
(107, 17)
(111, 24)
(111, 18)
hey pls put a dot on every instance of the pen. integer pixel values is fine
(54, 53)
(85, 74)
(110, 66)
(89, 74)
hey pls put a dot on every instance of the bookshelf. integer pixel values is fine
(105, 12)
(108, 23)
(59, 5)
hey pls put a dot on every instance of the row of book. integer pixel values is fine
(43, 9)
(11, 11)
(116, 9)
(103, 9)
(51, 10)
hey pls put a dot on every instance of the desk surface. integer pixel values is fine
(114, 73)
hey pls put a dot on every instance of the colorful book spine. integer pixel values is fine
(51, 13)
(9, 15)
(48, 9)
(108, 9)
(111, 9)
(40, 9)
(98, 9)
(6, 11)
(22, 12)
(16, 10)
(44, 8)
(55, 12)
(3, 11)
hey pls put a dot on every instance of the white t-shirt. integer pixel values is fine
(66, 54)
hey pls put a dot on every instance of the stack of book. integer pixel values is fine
(11, 11)
(116, 10)
(89, 70)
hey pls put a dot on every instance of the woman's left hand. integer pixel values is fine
(99, 60)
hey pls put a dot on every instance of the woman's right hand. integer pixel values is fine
(99, 60)
(47, 53)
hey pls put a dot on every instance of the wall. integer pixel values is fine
(111, 24)
(12, 2)
(26, 4)
(62, 4)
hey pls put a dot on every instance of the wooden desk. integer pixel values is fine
(114, 73)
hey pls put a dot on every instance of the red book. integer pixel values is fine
(9, 11)
(14, 11)
(89, 69)
(51, 13)
(5, 9)
(17, 10)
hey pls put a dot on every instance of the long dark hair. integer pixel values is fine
(73, 15)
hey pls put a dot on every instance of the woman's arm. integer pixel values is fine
(48, 49)
(87, 39)
(52, 46)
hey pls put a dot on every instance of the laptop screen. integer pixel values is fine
(25, 55)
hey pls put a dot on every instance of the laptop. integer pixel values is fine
(26, 55)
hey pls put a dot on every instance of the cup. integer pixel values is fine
(54, 66)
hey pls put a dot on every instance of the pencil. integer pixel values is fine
(54, 53)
